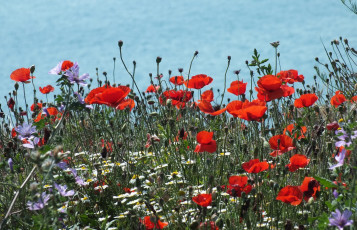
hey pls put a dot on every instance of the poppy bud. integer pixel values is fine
(158, 60)
(120, 43)
(236, 72)
(180, 70)
(229, 58)
(196, 53)
(32, 69)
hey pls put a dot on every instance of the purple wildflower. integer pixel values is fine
(62, 165)
(79, 180)
(340, 220)
(62, 190)
(340, 159)
(11, 164)
(73, 75)
(40, 204)
(345, 139)
(57, 69)
(25, 131)
(81, 100)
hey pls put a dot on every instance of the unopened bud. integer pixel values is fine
(120, 43)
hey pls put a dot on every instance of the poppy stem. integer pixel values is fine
(26, 105)
(225, 80)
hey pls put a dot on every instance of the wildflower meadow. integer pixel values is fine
(272, 152)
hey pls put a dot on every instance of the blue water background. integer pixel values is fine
(45, 32)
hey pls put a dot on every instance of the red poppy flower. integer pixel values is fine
(177, 80)
(206, 107)
(255, 166)
(291, 129)
(354, 99)
(250, 111)
(21, 75)
(66, 65)
(198, 81)
(38, 106)
(203, 200)
(297, 161)
(205, 104)
(338, 99)
(93, 92)
(290, 195)
(237, 87)
(333, 126)
(281, 144)
(11, 103)
(178, 98)
(270, 87)
(47, 89)
(206, 143)
(152, 89)
(237, 185)
(305, 100)
(310, 187)
(290, 76)
(207, 96)
(126, 103)
(13, 133)
(111, 96)
(151, 223)
(51, 111)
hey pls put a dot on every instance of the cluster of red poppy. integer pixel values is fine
(237, 185)
(294, 194)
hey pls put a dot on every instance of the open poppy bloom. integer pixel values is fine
(61, 67)
(280, 144)
(48, 112)
(305, 100)
(21, 75)
(338, 99)
(250, 111)
(206, 143)
(152, 89)
(178, 98)
(37, 106)
(297, 161)
(291, 129)
(198, 81)
(205, 104)
(290, 195)
(207, 96)
(111, 96)
(47, 89)
(309, 188)
(151, 223)
(255, 166)
(203, 200)
(177, 80)
(237, 185)
(237, 88)
(270, 87)
(290, 76)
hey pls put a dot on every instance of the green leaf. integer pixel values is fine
(45, 149)
(325, 182)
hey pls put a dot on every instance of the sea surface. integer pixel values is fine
(42, 33)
